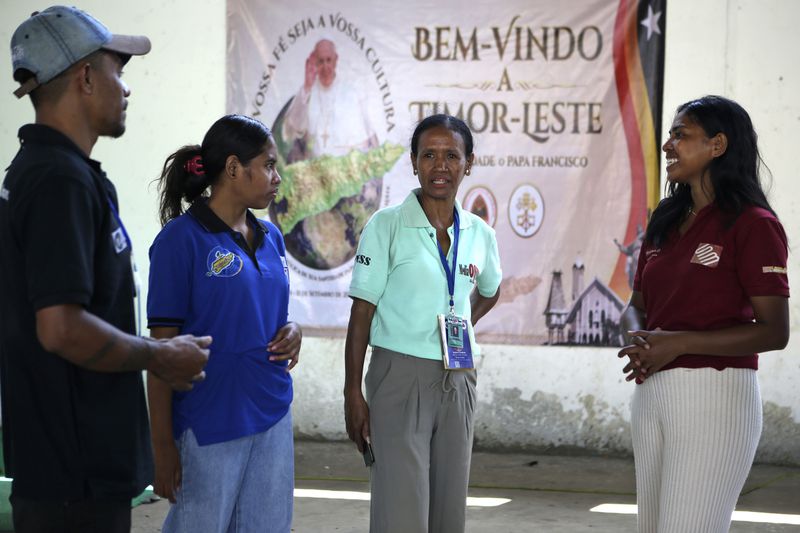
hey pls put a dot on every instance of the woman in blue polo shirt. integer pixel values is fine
(710, 292)
(224, 450)
(425, 272)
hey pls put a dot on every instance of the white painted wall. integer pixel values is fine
(529, 396)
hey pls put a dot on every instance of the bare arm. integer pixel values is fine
(167, 459)
(769, 331)
(85, 340)
(633, 317)
(356, 412)
(481, 305)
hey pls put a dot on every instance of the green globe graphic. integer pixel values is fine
(329, 239)
(325, 202)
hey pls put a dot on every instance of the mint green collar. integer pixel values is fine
(414, 216)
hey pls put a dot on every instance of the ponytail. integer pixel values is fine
(190, 171)
(180, 181)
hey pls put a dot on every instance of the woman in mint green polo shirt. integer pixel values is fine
(425, 272)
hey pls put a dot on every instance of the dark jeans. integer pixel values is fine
(87, 516)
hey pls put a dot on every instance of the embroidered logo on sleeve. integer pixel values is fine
(707, 255)
(652, 254)
(119, 240)
(773, 270)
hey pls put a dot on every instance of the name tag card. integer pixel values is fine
(456, 348)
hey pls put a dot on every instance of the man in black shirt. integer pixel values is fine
(75, 430)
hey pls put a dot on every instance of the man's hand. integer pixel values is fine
(286, 345)
(180, 360)
(311, 71)
(356, 417)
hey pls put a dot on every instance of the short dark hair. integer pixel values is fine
(53, 89)
(238, 135)
(448, 121)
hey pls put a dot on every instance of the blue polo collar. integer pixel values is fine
(213, 224)
(210, 222)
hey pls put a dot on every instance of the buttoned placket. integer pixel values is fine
(431, 231)
(433, 248)
(240, 241)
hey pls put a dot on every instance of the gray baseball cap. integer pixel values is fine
(51, 41)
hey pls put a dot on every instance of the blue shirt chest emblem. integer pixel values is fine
(223, 263)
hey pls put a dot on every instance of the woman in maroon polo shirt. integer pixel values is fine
(710, 292)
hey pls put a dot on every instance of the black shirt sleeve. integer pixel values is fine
(58, 227)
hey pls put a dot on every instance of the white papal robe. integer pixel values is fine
(332, 120)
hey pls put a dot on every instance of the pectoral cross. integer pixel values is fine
(325, 139)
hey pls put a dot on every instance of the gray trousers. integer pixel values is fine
(421, 428)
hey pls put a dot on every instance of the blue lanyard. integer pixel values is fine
(449, 272)
(119, 222)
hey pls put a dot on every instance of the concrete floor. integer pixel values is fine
(549, 494)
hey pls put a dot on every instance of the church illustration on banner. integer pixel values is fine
(590, 318)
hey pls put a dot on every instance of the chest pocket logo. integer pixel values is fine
(223, 263)
(707, 255)
(470, 271)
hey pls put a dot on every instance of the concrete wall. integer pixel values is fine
(530, 397)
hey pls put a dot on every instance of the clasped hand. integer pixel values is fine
(286, 345)
(649, 352)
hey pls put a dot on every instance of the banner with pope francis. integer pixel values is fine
(563, 98)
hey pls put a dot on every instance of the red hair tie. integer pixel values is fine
(194, 166)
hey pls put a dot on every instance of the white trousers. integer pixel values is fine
(695, 433)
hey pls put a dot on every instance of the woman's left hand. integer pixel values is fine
(633, 369)
(659, 349)
(286, 345)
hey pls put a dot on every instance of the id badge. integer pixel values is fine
(456, 347)
(455, 331)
